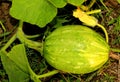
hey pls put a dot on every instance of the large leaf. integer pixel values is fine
(14, 72)
(16, 65)
(18, 55)
(76, 2)
(38, 12)
(58, 3)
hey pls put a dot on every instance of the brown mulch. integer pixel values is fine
(4, 15)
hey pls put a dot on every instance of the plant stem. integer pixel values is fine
(12, 39)
(20, 24)
(4, 34)
(33, 75)
(30, 43)
(115, 50)
(104, 5)
(48, 74)
(91, 4)
(103, 28)
(3, 26)
(93, 11)
(32, 36)
(86, 8)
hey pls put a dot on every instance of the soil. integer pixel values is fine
(113, 68)
(4, 15)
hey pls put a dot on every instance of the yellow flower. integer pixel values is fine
(85, 18)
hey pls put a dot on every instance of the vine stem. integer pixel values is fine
(3, 26)
(86, 8)
(115, 50)
(104, 5)
(93, 11)
(30, 43)
(103, 28)
(48, 74)
(91, 3)
(12, 39)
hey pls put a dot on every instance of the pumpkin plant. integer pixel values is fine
(71, 49)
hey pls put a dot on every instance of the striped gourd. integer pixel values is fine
(75, 49)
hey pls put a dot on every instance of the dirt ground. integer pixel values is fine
(113, 68)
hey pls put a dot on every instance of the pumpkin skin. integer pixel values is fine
(75, 49)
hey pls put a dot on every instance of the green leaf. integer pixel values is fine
(38, 12)
(76, 2)
(59, 22)
(58, 3)
(13, 71)
(15, 62)
(18, 55)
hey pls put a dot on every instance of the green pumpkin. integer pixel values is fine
(75, 49)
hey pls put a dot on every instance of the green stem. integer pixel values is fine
(20, 24)
(91, 4)
(86, 8)
(48, 74)
(103, 28)
(33, 75)
(93, 11)
(32, 36)
(12, 39)
(104, 5)
(115, 50)
(4, 34)
(3, 26)
(32, 44)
